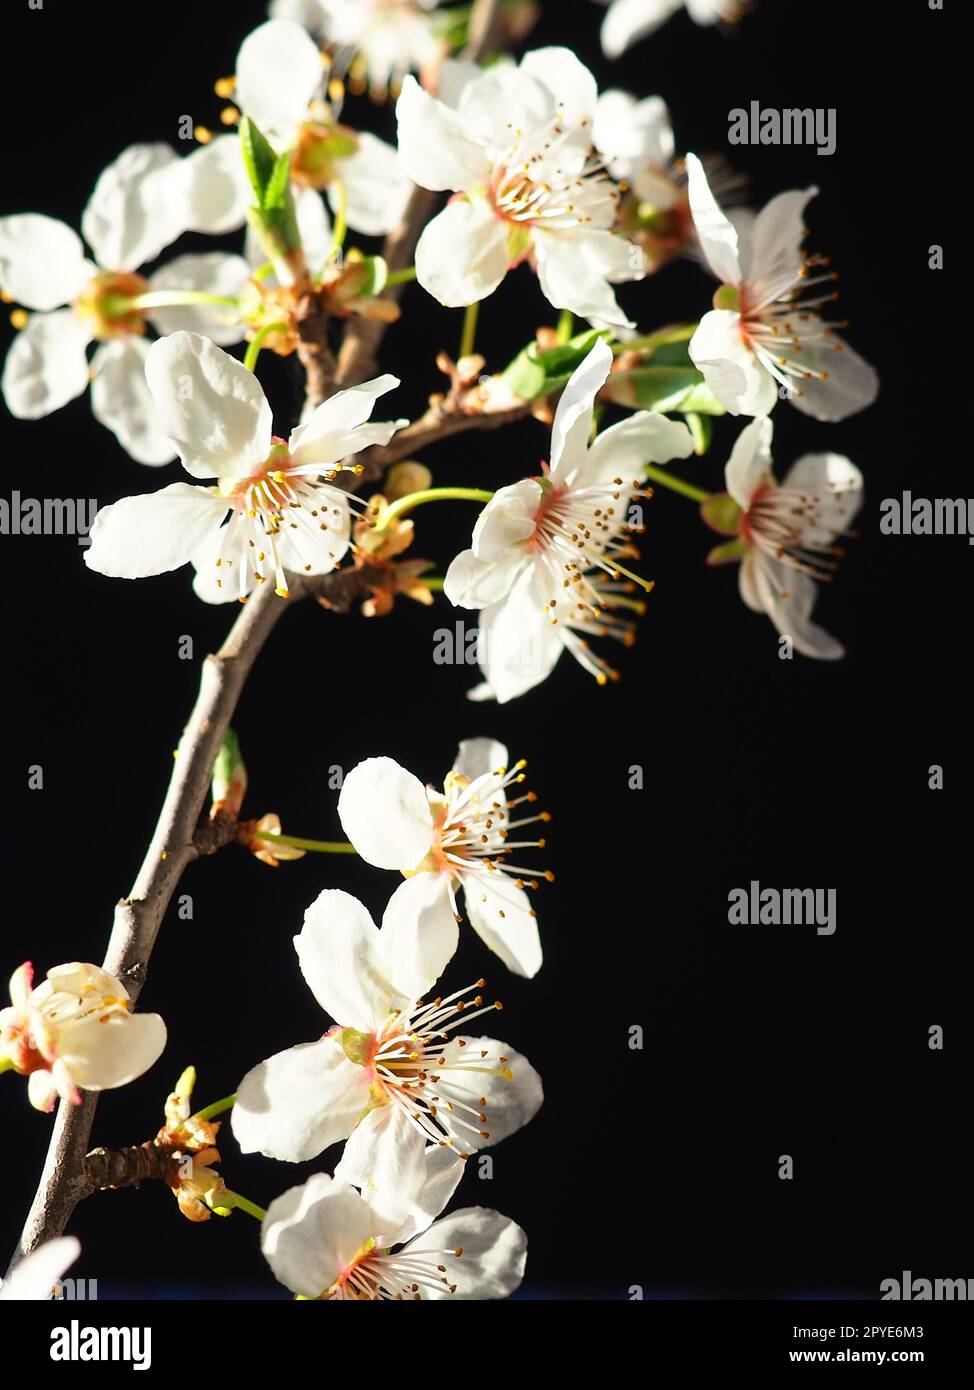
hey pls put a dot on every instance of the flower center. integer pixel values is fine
(106, 304)
(474, 827)
(791, 526)
(779, 327)
(374, 1275)
(546, 178)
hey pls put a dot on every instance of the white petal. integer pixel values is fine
(495, 1251)
(153, 533)
(385, 812)
(508, 519)
(624, 449)
(111, 1050)
(631, 20)
(832, 475)
(385, 1156)
(576, 269)
(747, 583)
(296, 1104)
(444, 1169)
(343, 958)
(211, 273)
(278, 73)
(461, 256)
(729, 367)
(508, 1102)
(433, 145)
(479, 757)
(214, 187)
(634, 133)
(519, 644)
(42, 261)
(474, 583)
(333, 430)
(501, 915)
(573, 418)
(312, 1233)
(121, 401)
(376, 185)
(504, 98)
(851, 383)
(47, 365)
(776, 237)
(750, 462)
(136, 209)
(788, 598)
(35, 1277)
(210, 405)
(718, 236)
(574, 88)
(419, 932)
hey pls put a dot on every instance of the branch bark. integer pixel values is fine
(138, 917)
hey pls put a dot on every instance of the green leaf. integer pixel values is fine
(727, 553)
(536, 373)
(663, 388)
(702, 429)
(259, 156)
(278, 185)
(377, 272)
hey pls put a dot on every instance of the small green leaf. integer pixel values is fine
(727, 553)
(259, 158)
(278, 185)
(702, 428)
(536, 373)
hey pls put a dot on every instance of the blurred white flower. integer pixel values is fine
(381, 39)
(441, 841)
(393, 1074)
(284, 512)
(786, 532)
(763, 333)
(140, 204)
(628, 21)
(516, 150)
(324, 1240)
(36, 1277)
(76, 1031)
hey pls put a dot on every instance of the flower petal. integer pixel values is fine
(211, 273)
(729, 367)
(153, 533)
(385, 812)
(776, 237)
(624, 449)
(519, 645)
(480, 757)
(312, 1233)
(434, 147)
(850, 383)
(121, 401)
(42, 261)
(502, 916)
(34, 1278)
(135, 209)
(296, 1104)
(210, 406)
(573, 419)
(575, 268)
(718, 236)
(385, 1156)
(474, 583)
(331, 432)
(508, 1102)
(343, 958)
(462, 256)
(788, 597)
(570, 82)
(214, 187)
(377, 186)
(750, 462)
(495, 1251)
(279, 72)
(47, 365)
(110, 1050)
(420, 933)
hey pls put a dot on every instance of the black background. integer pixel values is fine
(658, 1167)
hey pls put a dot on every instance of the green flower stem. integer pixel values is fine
(234, 1199)
(676, 333)
(258, 341)
(341, 220)
(217, 1108)
(566, 326)
(164, 299)
(432, 494)
(434, 583)
(315, 846)
(469, 334)
(401, 277)
(659, 475)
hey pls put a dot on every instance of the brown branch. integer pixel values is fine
(438, 423)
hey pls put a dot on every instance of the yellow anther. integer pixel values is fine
(203, 135)
(225, 87)
(20, 318)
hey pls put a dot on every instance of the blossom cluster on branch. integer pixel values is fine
(545, 178)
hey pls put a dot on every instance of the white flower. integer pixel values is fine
(35, 1278)
(441, 841)
(75, 1031)
(393, 1074)
(278, 85)
(762, 332)
(284, 513)
(386, 38)
(788, 532)
(546, 551)
(631, 20)
(636, 138)
(326, 1241)
(517, 150)
(140, 205)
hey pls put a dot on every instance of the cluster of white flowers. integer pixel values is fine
(586, 193)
